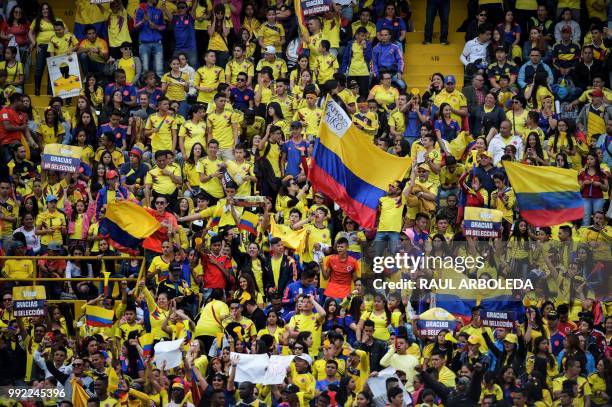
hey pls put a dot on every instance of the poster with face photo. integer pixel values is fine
(65, 75)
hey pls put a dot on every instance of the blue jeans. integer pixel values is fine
(41, 63)
(90, 66)
(152, 51)
(399, 82)
(591, 206)
(388, 240)
(441, 8)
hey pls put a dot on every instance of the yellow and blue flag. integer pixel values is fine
(545, 196)
(127, 224)
(249, 222)
(350, 169)
(99, 316)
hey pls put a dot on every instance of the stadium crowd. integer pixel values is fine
(206, 113)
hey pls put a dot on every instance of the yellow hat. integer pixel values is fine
(511, 338)
(415, 91)
(63, 65)
(474, 340)
(424, 166)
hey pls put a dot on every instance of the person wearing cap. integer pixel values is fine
(566, 53)
(271, 32)
(301, 376)
(51, 223)
(454, 98)
(310, 115)
(278, 65)
(593, 116)
(92, 51)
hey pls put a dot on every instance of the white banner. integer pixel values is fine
(169, 352)
(65, 75)
(251, 368)
(277, 369)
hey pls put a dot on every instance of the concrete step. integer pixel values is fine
(416, 37)
(458, 11)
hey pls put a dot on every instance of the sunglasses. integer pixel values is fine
(7, 299)
(160, 203)
(482, 14)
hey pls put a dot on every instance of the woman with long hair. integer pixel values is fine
(535, 92)
(249, 21)
(14, 69)
(93, 91)
(175, 85)
(131, 362)
(40, 34)
(218, 32)
(50, 131)
(275, 117)
(380, 315)
(511, 32)
(534, 151)
(548, 118)
(571, 350)
(17, 26)
(519, 247)
(536, 40)
(446, 128)
(192, 172)
(436, 85)
(247, 290)
(114, 103)
(291, 196)
(295, 77)
(85, 123)
(593, 183)
(601, 382)
(564, 141)
(83, 106)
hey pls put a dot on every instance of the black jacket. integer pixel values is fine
(516, 359)
(288, 273)
(450, 397)
(583, 75)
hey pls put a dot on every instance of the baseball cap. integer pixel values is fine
(306, 358)
(125, 44)
(270, 49)
(486, 154)
(462, 380)
(54, 246)
(296, 124)
(423, 166)
(511, 338)
(415, 91)
(566, 29)
(474, 340)
(500, 48)
(111, 174)
(597, 93)
(553, 315)
(353, 84)
(136, 151)
(450, 79)
(51, 198)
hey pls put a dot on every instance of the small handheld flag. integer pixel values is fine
(98, 316)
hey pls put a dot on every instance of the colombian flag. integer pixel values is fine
(293, 239)
(350, 169)
(98, 316)
(126, 224)
(545, 196)
(248, 222)
(146, 341)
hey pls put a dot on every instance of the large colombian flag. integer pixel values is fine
(126, 224)
(545, 196)
(350, 169)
